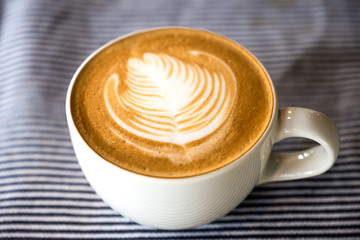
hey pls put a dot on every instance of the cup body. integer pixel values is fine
(177, 203)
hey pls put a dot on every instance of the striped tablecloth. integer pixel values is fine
(310, 48)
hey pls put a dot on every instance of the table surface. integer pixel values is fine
(310, 48)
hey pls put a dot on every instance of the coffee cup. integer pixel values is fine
(173, 127)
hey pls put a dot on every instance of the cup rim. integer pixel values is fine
(202, 176)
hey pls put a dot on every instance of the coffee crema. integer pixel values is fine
(172, 102)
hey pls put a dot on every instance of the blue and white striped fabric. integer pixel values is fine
(310, 48)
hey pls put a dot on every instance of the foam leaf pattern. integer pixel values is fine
(164, 99)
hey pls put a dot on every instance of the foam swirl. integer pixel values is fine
(165, 99)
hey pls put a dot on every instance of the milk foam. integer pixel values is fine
(167, 100)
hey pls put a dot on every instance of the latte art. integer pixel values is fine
(164, 99)
(171, 102)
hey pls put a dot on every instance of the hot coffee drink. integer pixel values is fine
(172, 102)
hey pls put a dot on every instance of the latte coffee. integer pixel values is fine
(172, 102)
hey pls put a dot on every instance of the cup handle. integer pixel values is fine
(304, 123)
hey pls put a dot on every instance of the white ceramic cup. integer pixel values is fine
(192, 201)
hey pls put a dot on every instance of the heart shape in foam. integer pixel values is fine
(165, 99)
